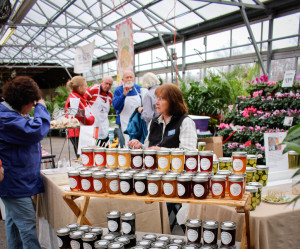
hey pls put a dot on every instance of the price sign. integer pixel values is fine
(288, 79)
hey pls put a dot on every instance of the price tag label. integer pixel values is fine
(288, 121)
(288, 79)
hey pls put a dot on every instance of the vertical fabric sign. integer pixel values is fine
(125, 47)
(83, 58)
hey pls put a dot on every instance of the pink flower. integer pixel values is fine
(251, 128)
(269, 98)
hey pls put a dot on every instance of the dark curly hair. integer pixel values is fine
(21, 91)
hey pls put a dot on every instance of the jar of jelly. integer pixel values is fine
(94, 169)
(251, 161)
(253, 190)
(149, 236)
(163, 160)
(124, 158)
(106, 170)
(112, 158)
(73, 226)
(244, 175)
(154, 185)
(101, 244)
(150, 159)
(74, 180)
(206, 161)
(173, 246)
(236, 185)
(177, 160)
(132, 239)
(113, 183)
(111, 236)
(116, 245)
(63, 238)
(210, 232)
(124, 240)
(159, 244)
(126, 183)
(251, 174)
(164, 238)
(178, 241)
(200, 187)
(113, 221)
(218, 186)
(201, 146)
(89, 240)
(86, 181)
(262, 174)
(225, 163)
(225, 173)
(99, 182)
(140, 184)
(87, 156)
(259, 187)
(239, 162)
(191, 246)
(136, 159)
(84, 228)
(98, 231)
(184, 186)
(100, 157)
(128, 223)
(193, 231)
(75, 239)
(215, 166)
(191, 160)
(228, 231)
(169, 186)
(144, 243)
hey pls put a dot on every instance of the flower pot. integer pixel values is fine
(201, 122)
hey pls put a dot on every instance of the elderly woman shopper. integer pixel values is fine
(20, 153)
(172, 128)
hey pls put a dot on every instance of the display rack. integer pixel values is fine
(242, 206)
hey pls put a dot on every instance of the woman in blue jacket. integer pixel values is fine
(20, 153)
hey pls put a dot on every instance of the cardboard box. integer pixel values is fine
(213, 143)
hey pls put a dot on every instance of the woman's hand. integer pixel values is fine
(41, 101)
(135, 144)
(140, 109)
(154, 148)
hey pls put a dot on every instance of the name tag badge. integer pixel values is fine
(171, 132)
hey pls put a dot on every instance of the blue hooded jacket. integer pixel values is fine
(20, 151)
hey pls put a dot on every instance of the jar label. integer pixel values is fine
(168, 188)
(235, 189)
(85, 184)
(114, 185)
(99, 159)
(217, 189)
(180, 189)
(226, 238)
(87, 246)
(205, 163)
(110, 160)
(122, 160)
(198, 190)
(75, 244)
(112, 225)
(59, 241)
(97, 185)
(237, 164)
(163, 162)
(191, 163)
(139, 187)
(176, 163)
(85, 159)
(137, 161)
(152, 188)
(192, 235)
(72, 182)
(126, 228)
(208, 236)
(125, 186)
(149, 161)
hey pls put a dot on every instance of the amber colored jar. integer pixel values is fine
(236, 186)
(150, 159)
(86, 181)
(244, 175)
(218, 186)
(226, 173)
(239, 162)
(154, 185)
(100, 157)
(87, 156)
(193, 231)
(124, 158)
(210, 232)
(112, 158)
(113, 183)
(140, 184)
(99, 182)
(228, 231)
(206, 161)
(177, 160)
(63, 238)
(184, 186)
(128, 223)
(169, 186)
(163, 160)
(75, 239)
(191, 160)
(200, 187)
(126, 183)
(74, 180)
(136, 159)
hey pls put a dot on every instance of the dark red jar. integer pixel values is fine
(193, 231)
(136, 159)
(210, 233)
(140, 184)
(206, 161)
(184, 186)
(191, 160)
(150, 159)
(228, 231)
(200, 186)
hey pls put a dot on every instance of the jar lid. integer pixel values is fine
(109, 236)
(136, 152)
(224, 172)
(145, 243)
(174, 246)
(139, 176)
(107, 170)
(113, 214)
(159, 244)
(210, 224)
(228, 225)
(120, 171)
(200, 178)
(63, 231)
(177, 152)
(218, 178)
(128, 216)
(96, 230)
(99, 149)
(76, 234)
(154, 177)
(189, 173)
(173, 173)
(190, 246)
(178, 241)
(125, 176)
(251, 156)
(209, 247)
(169, 177)
(236, 178)
(111, 175)
(86, 173)
(163, 238)
(225, 159)
(191, 152)
(201, 143)
(203, 174)
(73, 226)
(160, 173)
(101, 243)
(87, 149)
(250, 169)
(293, 153)
(133, 171)
(99, 174)
(163, 152)
(74, 173)
(111, 150)
(138, 247)
(184, 178)
(255, 184)
(149, 236)
(89, 237)
(206, 153)
(251, 189)
(123, 151)
(215, 161)
(123, 239)
(239, 153)
(84, 228)
(193, 223)
(262, 167)
(116, 245)
(94, 169)
(82, 169)
(150, 152)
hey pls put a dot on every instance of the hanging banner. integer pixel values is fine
(83, 58)
(125, 48)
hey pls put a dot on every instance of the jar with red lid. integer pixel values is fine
(140, 184)
(239, 162)
(236, 185)
(87, 156)
(154, 185)
(228, 231)
(126, 183)
(150, 159)
(225, 173)
(74, 180)
(191, 160)
(218, 186)
(169, 185)
(206, 161)
(99, 182)
(100, 157)
(86, 181)
(113, 183)
(200, 186)
(184, 186)
(136, 159)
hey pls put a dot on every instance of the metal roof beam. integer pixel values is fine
(246, 5)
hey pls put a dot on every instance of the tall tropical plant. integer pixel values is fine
(61, 95)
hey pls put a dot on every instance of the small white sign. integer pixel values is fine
(288, 121)
(288, 79)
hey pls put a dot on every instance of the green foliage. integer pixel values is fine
(61, 95)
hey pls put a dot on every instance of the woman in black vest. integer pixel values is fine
(172, 128)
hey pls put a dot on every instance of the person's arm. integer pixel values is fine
(1, 172)
(188, 135)
(118, 99)
(137, 144)
(148, 112)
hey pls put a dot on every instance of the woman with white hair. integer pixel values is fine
(148, 112)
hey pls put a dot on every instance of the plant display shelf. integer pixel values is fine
(242, 206)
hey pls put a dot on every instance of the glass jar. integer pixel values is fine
(112, 158)
(86, 181)
(225, 163)
(89, 240)
(113, 221)
(239, 162)
(159, 244)
(99, 182)
(132, 239)
(111, 236)
(63, 238)
(106, 170)
(228, 231)
(116, 245)
(98, 231)
(113, 183)
(128, 223)
(236, 186)
(73, 226)
(259, 192)
(294, 159)
(173, 246)
(210, 232)
(245, 177)
(144, 243)
(87, 156)
(184, 186)
(150, 159)
(100, 157)
(75, 239)
(206, 161)
(262, 174)
(218, 186)
(251, 161)
(101, 244)
(164, 238)
(169, 186)
(177, 160)
(225, 173)
(201, 146)
(191, 246)
(253, 190)
(74, 180)
(149, 236)
(191, 160)
(84, 228)
(200, 187)
(124, 158)
(163, 160)
(251, 174)
(154, 185)
(126, 183)
(123, 240)
(140, 184)
(136, 159)
(215, 166)
(193, 231)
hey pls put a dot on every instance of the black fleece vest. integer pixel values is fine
(170, 138)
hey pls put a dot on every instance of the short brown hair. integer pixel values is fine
(21, 91)
(173, 95)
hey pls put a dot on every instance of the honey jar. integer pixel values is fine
(99, 182)
(169, 186)
(244, 175)
(228, 231)
(184, 186)
(113, 222)
(236, 185)
(218, 186)
(100, 157)
(63, 238)
(215, 166)
(140, 184)
(251, 161)
(177, 160)
(201, 146)
(225, 173)
(200, 187)
(124, 158)
(74, 180)
(163, 160)
(253, 190)
(126, 183)
(150, 159)
(154, 185)
(112, 158)
(206, 161)
(239, 162)
(113, 183)
(193, 231)
(262, 174)
(87, 156)
(225, 163)
(86, 181)
(89, 240)
(251, 174)
(259, 192)
(191, 160)
(128, 223)
(136, 159)
(75, 239)
(210, 232)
